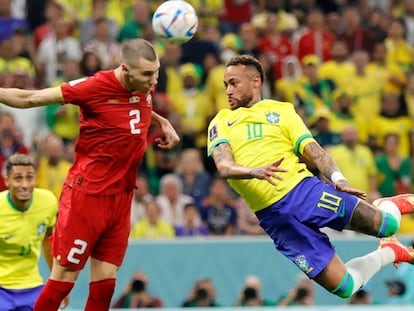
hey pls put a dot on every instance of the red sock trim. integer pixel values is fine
(52, 295)
(100, 295)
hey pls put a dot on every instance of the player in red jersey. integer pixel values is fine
(94, 208)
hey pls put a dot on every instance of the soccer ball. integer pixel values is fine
(175, 20)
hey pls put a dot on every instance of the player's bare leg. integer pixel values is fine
(101, 286)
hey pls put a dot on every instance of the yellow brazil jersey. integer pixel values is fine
(21, 237)
(260, 135)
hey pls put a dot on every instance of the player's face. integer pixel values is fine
(20, 181)
(238, 81)
(142, 75)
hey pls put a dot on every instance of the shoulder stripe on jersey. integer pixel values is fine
(215, 145)
(299, 141)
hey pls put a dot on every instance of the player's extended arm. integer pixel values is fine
(327, 166)
(171, 138)
(19, 98)
(229, 169)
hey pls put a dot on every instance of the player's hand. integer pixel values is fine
(170, 139)
(342, 185)
(268, 172)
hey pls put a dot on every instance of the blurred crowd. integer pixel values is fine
(203, 293)
(346, 65)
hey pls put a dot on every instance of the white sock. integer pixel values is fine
(362, 269)
(391, 208)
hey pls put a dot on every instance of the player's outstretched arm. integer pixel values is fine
(229, 169)
(327, 166)
(171, 138)
(19, 98)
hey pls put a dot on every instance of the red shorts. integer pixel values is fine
(91, 226)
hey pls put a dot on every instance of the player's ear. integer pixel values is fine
(124, 67)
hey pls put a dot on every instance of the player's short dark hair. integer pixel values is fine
(19, 159)
(138, 48)
(247, 60)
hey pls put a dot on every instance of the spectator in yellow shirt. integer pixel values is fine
(357, 163)
(152, 226)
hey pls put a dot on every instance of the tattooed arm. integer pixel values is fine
(229, 169)
(327, 166)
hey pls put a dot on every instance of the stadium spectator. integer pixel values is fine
(135, 28)
(55, 50)
(90, 64)
(104, 45)
(52, 166)
(275, 44)
(354, 34)
(28, 217)
(201, 295)
(218, 210)
(251, 294)
(285, 87)
(339, 69)
(88, 27)
(391, 77)
(302, 294)
(9, 23)
(172, 200)
(192, 105)
(312, 92)
(361, 297)
(357, 162)
(142, 196)
(395, 291)
(407, 96)
(234, 14)
(53, 12)
(394, 171)
(365, 88)
(399, 50)
(136, 294)
(152, 226)
(194, 177)
(63, 121)
(192, 225)
(316, 40)
(392, 119)
(9, 143)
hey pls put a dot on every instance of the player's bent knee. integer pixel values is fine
(389, 225)
(346, 287)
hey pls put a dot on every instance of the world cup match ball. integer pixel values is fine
(175, 20)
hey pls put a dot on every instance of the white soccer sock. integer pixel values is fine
(362, 269)
(391, 208)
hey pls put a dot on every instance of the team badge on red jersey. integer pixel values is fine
(134, 99)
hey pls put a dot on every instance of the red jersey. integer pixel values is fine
(113, 133)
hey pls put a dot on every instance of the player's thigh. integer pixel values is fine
(112, 244)
(332, 275)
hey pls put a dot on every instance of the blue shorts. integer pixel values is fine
(19, 299)
(293, 223)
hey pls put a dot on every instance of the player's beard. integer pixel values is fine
(244, 101)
